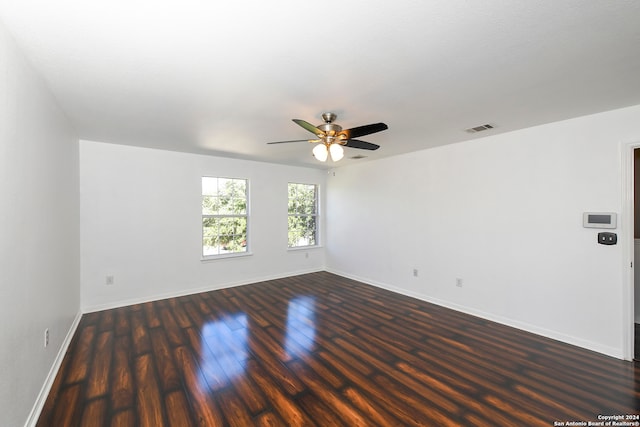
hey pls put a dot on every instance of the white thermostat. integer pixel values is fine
(599, 219)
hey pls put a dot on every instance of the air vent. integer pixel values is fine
(479, 128)
(358, 157)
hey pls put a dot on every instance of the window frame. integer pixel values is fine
(315, 215)
(245, 216)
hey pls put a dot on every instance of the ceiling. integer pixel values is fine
(225, 78)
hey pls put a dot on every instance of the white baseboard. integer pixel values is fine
(555, 335)
(46, 387)
(191, 291)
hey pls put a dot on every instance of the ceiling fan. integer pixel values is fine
(331, 137)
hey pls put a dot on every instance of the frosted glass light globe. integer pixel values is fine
(337, 152)
(320, 152)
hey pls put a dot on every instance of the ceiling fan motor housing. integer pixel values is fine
(330, 129)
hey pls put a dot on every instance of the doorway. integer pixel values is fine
(627, 226)
(636, 252)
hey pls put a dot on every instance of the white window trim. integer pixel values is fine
(225, 256)
(304, 248)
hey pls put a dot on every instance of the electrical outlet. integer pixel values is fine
(109, 280)
(459, 282)
(46, 337)
(415, 272)
(306, 254)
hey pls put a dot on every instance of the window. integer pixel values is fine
(224, 216)
(303, 215)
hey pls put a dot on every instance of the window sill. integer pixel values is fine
(304, 248)
(225, 256)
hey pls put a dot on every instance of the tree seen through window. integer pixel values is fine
(303, 215)
(224, 216)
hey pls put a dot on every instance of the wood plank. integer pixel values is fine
(167, 372)
(370, 407)
(284, 405)
(140, 334)
(69, 407)
(107, 320)
(122, 383)
(205, 410)
(124, 419)
(250, 394)
(318, 410)
(171, 328)
(95, 413)
(98, 382)
(334, 400)
(269, 419)
(81, 357)
(151, 315)
(234, 410)
(148, 397)
(122, 322)
(178, 409)
(212, 372)
(179, 314)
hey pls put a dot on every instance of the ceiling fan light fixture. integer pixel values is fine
(336, 151)
(331, 137)
(320, 152)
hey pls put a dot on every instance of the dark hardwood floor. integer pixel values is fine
(319, 349)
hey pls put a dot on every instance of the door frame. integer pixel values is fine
(628, 239)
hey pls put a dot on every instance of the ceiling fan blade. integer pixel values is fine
(285, 142)
(364, 130)
(308, 126)
(354, 143)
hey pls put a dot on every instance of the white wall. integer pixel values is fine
(504, 214)
(141, 223)
(39, 233)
